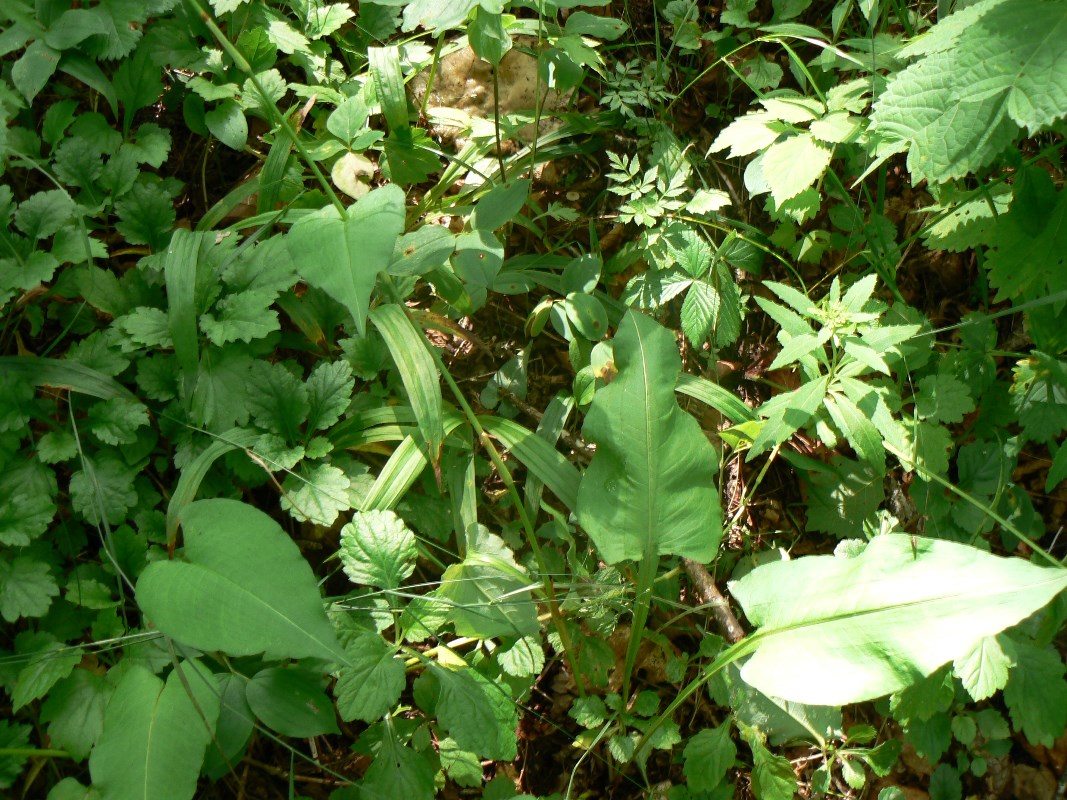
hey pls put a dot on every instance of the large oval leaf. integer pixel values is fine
(842, 630)
(155, 735)
(650, 489)
(244, 589)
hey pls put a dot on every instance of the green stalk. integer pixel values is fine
(527, 524)
(276, 116)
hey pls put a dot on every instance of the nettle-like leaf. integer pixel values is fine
(650, 489)
(1027, 255)
(26, 588)
(371, 684)
(343, 255)
(317, 493)
(976, 72)
(243, 589)
(836, 630)
(476, 712)
(1036, 694)
(377, 549)
(1039, 396)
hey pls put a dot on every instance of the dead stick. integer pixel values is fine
(710, 595)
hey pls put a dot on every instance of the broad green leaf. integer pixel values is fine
(74, 711)
(1003, 73)
(1036, 694)
(30, 73)
(377, 549)
(488, 36)
(26, 588)
(983, 670)
(772, 775)
(291, 701)
(244, 588)
(1027, 261)
(489, 592)
(650, 489)
(155, 734)
(227, 123)
(371, 684)
(478, 714)
(791, 166)
(837, 630)
(707, 757)
(50, 662)
(234, 727)
(397, 772)
(343, 255)
(477, 261)
(500, 205)
(418, 372)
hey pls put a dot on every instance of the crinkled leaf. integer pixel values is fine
(146, 215)
(377, 549)
(371, 684)
(278, 399)
(1036, 694)
(42, 214)
(1006, 71)
(74, 711)
(244, 316)
(102, 490)
(26, 588)
(317, 493)
(117, 421)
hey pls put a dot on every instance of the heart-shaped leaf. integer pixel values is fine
(342, 255)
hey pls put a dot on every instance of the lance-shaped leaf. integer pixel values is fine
(838, 630)
(244, 588)
(650, 489)
(422, 383)
(342, 255)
